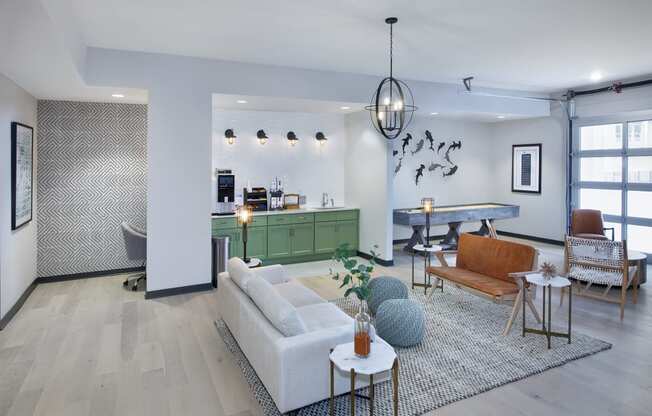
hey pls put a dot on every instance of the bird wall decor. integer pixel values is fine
(406, 142)
(419, 147)
(442, 160)
(419, 173)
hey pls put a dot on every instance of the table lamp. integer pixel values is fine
(245, 216)
(427, 204)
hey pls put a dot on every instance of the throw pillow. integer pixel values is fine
(239, 272)
(282, 315)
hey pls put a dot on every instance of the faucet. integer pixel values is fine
(324, 200)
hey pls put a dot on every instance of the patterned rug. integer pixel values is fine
(462, 354)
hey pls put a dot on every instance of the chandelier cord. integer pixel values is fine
(391, 50)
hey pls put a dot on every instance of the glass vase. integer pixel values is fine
(362, 331)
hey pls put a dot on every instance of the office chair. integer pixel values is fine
(136, 245)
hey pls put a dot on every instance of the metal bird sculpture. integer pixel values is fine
(394, 153)
(419, 147)
(434, 166)
(440, 146)
(451, 171)
(398, 167)
(455, 145)
(419, 173)
(406, 142)
(431, 140)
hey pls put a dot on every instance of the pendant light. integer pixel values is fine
(392, 104)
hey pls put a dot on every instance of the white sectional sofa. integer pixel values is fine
(295, 368)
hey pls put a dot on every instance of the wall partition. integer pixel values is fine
(612, 172)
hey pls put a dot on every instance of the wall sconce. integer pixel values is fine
(428, 205)
(230, 137)
(262, 137)
(321, 139)
(292, 138)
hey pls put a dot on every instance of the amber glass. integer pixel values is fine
(362, 337)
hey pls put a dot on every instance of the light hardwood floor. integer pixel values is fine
(88, 347)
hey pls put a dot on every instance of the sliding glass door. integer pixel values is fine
(612, 172)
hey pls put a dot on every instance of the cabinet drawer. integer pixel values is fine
(336, 216)
(259, 221)
(222, 223)
(283, 219)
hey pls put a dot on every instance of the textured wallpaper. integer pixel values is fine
(92, 175)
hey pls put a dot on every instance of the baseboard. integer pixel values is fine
(531, 238)
(153, 294)
(386, 263)
(19, 304)
(76, 276)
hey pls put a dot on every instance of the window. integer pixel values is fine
(614, 175)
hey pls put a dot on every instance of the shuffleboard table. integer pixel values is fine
(454, 216)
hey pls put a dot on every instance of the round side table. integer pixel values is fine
(381, 358)
(546, 323)
(427, 251)
(638, 259)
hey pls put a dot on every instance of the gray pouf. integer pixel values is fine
(400, 322)
(383, 288)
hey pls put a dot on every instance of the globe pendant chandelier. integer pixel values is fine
(392, 104)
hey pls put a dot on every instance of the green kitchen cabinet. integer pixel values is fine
(279, 241)
(347, 232)
(302, 239)
(325, 237)
(256, 242)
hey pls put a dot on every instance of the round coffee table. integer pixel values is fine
(382, 358)
(546, 323)
(427, 251)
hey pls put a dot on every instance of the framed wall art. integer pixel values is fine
(526, 168)
(22, 174)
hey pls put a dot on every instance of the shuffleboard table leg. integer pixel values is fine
(452, 237)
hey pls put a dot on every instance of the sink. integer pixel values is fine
(327, 208)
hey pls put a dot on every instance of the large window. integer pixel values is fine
(612, 172)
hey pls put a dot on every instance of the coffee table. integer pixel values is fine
(382, 358)
(427, 251)
(546, 323)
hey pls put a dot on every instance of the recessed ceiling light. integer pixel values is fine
(500, 117)
(596, 76)
(118, 95)
(345, 107)
(241, 101)
(434, 113)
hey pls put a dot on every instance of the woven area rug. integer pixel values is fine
(462, 354)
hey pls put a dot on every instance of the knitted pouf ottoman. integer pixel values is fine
(383, 288)
(400, 322)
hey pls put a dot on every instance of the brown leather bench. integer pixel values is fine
(490, 268)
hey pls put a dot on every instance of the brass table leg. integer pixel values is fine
(413, 252)
(426, 255)
(371, 394)
(352, 392)
(549, 314)
(395, 377)
(570, 301)
(331, 402)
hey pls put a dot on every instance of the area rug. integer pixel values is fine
(462, 354)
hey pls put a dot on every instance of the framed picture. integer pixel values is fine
(526, 168)
(22, 167)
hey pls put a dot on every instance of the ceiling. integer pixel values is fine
(517, 44)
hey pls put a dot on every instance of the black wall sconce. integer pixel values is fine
(262, 137)
(321, 139)
(292, 138)
(230, 136)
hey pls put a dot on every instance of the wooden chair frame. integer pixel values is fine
(584, 288)
(519, 279)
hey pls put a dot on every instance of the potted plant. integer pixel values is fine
(356, 280)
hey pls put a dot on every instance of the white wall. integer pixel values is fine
(472, 183)
(307, 168)
(368, 183)
(542, 215)
(17, 248)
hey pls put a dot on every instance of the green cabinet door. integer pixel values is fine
(347, 232)
(257, 242)
(278, 241)
(325, 237)
(303, 239)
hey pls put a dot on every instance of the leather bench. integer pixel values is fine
(491, 268)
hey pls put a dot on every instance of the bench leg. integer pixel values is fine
(514, 314)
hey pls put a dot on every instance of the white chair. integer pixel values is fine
(136, 245)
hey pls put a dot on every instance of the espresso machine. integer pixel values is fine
(225, 192)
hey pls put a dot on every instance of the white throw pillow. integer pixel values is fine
(239, 272)
(282, 315)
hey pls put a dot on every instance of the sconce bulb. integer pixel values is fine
(262, 141)
(230, 140)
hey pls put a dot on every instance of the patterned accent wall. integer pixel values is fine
(92, 175)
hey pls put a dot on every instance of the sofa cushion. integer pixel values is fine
(239, 272)
(297, 294)
(493, 257)
(323, 316)
(485, 284)
(282, 315)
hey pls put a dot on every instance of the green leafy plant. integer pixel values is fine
(357, 275)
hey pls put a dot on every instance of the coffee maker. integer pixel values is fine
(225, 192)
